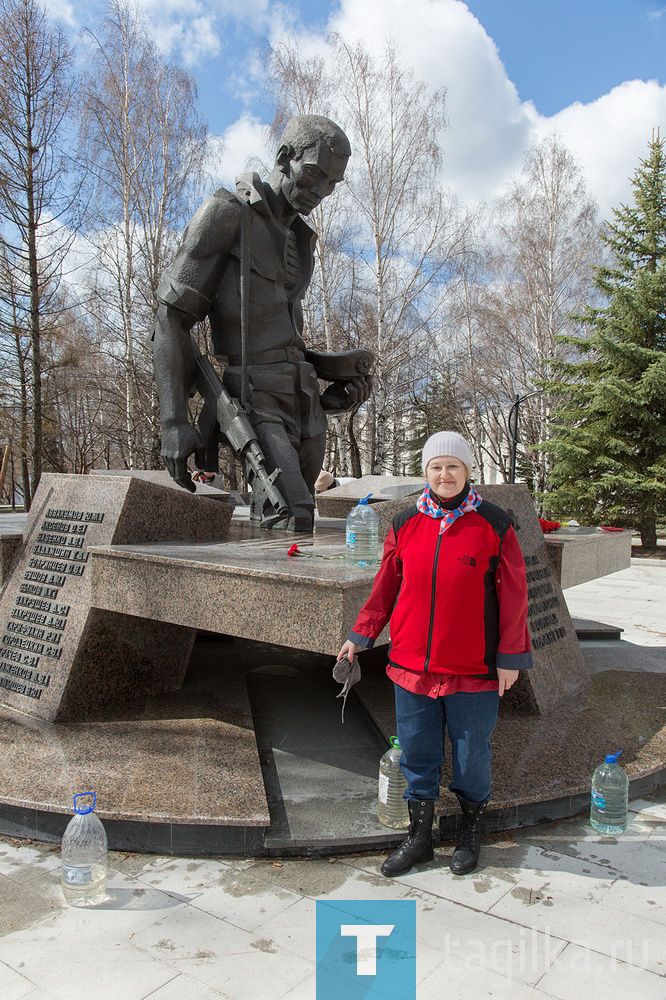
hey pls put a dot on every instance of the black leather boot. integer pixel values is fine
(418, 846)
(466, 855)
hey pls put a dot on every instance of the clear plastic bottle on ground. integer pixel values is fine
(392, 809)
(362, 534)
(84, 855)
(610, 794)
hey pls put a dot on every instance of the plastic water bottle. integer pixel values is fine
(362, 534)
(392, 809)
(610, 793)
(84, 855)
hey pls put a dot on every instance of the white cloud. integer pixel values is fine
(236, 151)
(447, 46)
(194, 30)
(490, 128)
(185, 28)
(61, 10)
(610, 135)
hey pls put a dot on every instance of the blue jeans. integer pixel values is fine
(470, 718)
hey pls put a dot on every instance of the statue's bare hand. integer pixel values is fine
(343, 396)
(179, 441)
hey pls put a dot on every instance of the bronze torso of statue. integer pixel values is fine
(245, 262)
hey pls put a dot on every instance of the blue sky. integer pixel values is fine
(560, 51)
(555, 52)
(514, 70)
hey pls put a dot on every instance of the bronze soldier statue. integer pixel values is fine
(245, 262)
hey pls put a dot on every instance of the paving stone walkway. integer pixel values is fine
(554, 911)
(634, 598)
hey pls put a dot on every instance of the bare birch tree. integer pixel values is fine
(548, 240)
(35, 102)
(395, 125)
(145, 144)
(304, 85)
(531, 273)
(405, 228)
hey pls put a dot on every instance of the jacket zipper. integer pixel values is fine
(432, 605)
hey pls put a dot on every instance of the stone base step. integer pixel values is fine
(591, 631)
(178, 773)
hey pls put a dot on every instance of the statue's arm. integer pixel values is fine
(184, 296)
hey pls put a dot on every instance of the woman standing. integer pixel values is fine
(452, 582)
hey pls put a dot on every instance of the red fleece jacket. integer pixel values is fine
(457, 602)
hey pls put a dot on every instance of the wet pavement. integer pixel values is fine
(552, 911)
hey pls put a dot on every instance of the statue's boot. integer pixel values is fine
(301, 520)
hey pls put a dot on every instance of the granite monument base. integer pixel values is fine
(251, 758)
(60, 657)
(578, 555)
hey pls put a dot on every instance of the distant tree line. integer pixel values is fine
(464, 310)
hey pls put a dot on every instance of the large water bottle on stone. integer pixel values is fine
(362, 534)
(84, 855)
(610, 794)
(392, 809)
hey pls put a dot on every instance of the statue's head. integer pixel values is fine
(312, 157)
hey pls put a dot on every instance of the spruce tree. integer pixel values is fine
(608, 434)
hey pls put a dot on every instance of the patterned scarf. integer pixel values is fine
(431, 508)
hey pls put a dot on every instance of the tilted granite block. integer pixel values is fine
(559, 668)
(340, 500)
(162, 478)
(60, 658)
(583, 554)
(247, 586)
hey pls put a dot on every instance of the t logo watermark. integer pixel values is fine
(366, 949)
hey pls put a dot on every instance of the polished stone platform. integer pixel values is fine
(246, 586)
(251, 758)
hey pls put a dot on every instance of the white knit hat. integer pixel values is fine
(447, 443)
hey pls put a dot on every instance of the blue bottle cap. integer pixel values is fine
(365, 499)
(82, 810)
(612, 757)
